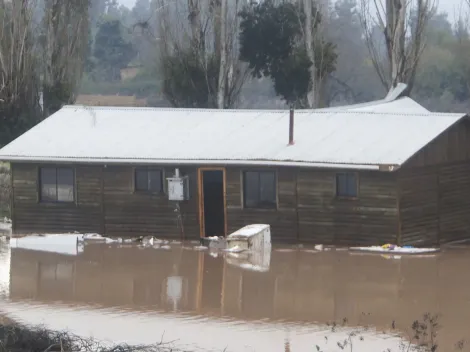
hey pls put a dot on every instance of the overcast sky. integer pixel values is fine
(452, 7)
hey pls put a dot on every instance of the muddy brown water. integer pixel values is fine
(203, 301)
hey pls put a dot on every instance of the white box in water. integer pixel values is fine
(256, 237)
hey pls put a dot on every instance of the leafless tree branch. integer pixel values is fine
(403, 24)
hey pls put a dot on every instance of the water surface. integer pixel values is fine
(209, 302)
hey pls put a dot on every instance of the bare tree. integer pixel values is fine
(19, 91)
(221, 50)
(403, 24)
(211, 27)
(312, 95)
(66, 25)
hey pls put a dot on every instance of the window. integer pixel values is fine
(259, 189)
(57, 184)
(346, 185)
(148, 180)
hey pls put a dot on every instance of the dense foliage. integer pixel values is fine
(271, 42)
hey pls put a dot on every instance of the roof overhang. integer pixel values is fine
(106, 161)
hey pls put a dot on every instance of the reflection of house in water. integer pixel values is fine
(300, 286)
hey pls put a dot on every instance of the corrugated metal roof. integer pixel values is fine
(359, 137)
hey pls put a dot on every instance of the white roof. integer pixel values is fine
(362, 136)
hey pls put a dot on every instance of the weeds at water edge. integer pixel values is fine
(14, 338)
(423, 337)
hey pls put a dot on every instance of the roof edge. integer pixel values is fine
(105, 161)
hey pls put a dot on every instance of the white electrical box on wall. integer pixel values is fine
(178, 188)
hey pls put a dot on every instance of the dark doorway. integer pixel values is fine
(213, 202)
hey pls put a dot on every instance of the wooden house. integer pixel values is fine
(383, 172)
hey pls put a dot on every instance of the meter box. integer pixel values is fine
(178, 188)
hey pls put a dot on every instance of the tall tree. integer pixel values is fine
(19, 74)
(199, 53)
(354, 79)
(275, 44)
(221, 50)
(66, 45)
(111, 51)
(404, 42)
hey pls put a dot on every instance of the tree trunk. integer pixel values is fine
(404, 43)
(66, 24)
(308, 37)
(52, 17)
(195, 23)
(223, 56)
(395, 37)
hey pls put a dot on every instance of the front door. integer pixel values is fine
(212, 202)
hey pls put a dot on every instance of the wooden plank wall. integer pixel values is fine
(31, 216)
(454, 202)
(105, 203)
(309, 212)
(128, 213)
(435, 203)
(419, 206)
(450, 147)
(435, 190)
(369, 220)
(283, 220)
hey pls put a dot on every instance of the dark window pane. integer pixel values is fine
(267, 188)
(48, 184)
(141, 180)
(65, 189)
(251, 184)
(352, 185)
(340, 184)
(346, 185)
(155, 180)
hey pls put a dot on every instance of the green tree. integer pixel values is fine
(111, 51)
(271, 42)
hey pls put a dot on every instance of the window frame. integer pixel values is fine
(244, 185)
(148, 170)
(57, 201)
(347, 196)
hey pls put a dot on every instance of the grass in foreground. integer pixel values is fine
(17, 338)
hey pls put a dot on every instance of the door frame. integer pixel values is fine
(200, 191)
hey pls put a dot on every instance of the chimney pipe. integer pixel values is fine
(291, 126)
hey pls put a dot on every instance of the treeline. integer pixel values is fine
(227, 54)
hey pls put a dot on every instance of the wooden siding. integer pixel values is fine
(434, 190)
(283, 220)
(435, 203)
(369, 219)
(132, 213)
(418, 204)
(30, 215)
(450, 147)
(307, 208)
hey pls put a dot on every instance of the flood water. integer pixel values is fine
(202, 301)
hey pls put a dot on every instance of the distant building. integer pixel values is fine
(383, 172)
(130, 72)
(110, 100)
